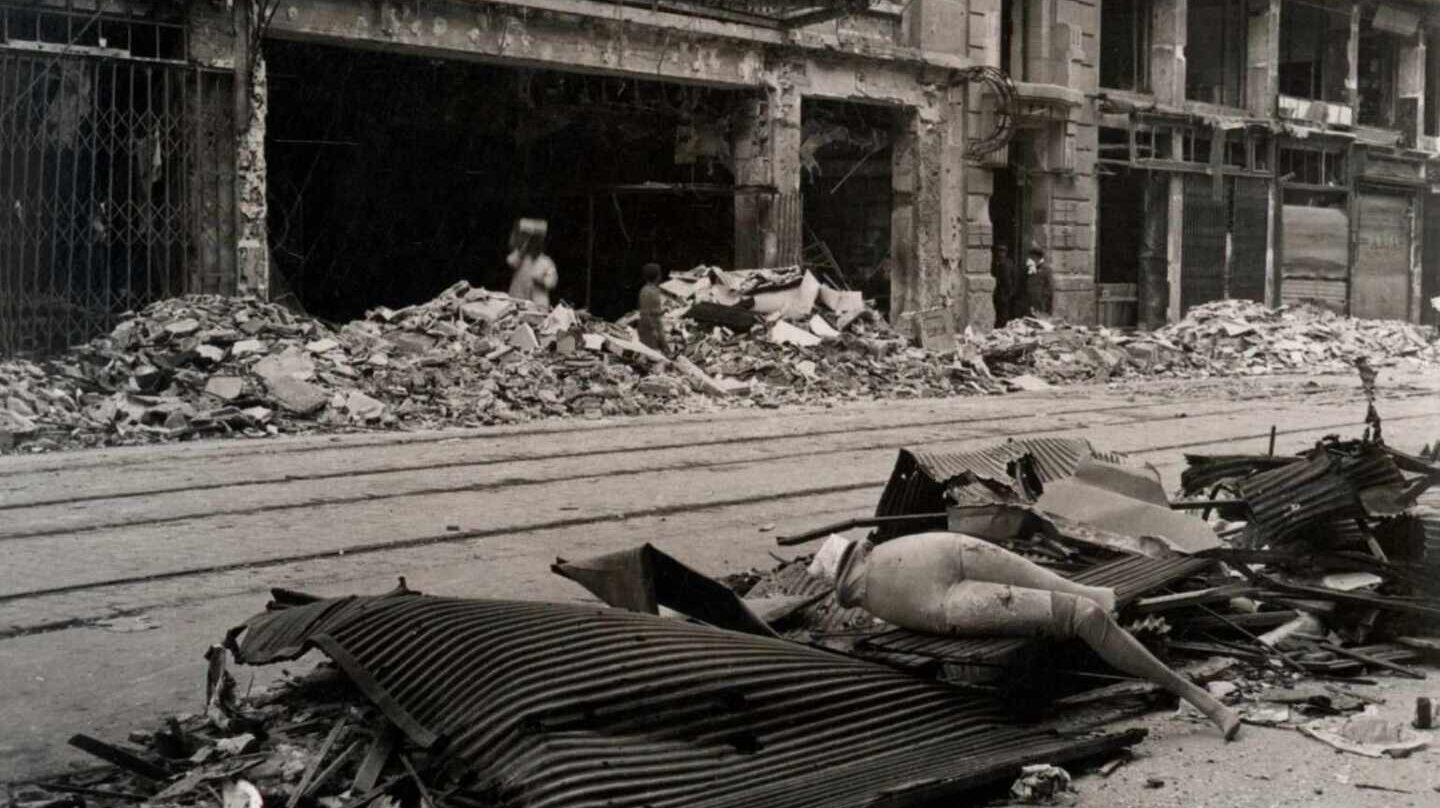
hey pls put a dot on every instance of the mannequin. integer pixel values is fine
(950, 583)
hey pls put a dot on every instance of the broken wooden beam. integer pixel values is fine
(129, 761)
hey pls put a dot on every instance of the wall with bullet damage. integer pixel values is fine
(219, 39)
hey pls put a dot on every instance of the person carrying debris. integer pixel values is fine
(1007, 283)
(950, 583)
(1039, 282)
(535, 275)
(652, 310)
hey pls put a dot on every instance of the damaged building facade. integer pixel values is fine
(1271, 150)
(344, 154)
(381, 151)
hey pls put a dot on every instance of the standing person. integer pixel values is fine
(1007, 282)
(652, 309)
(535, 275)
(1039, 284)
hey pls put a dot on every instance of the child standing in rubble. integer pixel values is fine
(950, 583)
(535, 275)
(652, 309)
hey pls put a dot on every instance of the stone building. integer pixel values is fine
(343, 154)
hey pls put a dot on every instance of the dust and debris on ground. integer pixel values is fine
(1273, 599)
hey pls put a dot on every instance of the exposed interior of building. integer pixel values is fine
(392, 176)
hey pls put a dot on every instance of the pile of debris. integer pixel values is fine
(1314, 572)
(1224, 338)
(214, 366)
(207, 365)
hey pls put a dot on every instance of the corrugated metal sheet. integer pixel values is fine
(1329, 294)
(557, 705)
(918, 482)
(1203, 472)
(1130, 577)
(1337, 482)
(1284, 501)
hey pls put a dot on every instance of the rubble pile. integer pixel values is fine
(1224, 338)
(214, 366)
(208, 365)
(237, 366)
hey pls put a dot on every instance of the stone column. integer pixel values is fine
(1352, 62)
(1167, 51)
(1262, 77)
(767, 176)
(920, 277)
(252, 249)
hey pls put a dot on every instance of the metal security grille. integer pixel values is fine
(1202, 243)
(1249, 229)
(111, 179)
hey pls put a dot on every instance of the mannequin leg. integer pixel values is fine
(1077, 617)
(983, 561)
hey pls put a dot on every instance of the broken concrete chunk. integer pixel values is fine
(409, 342)
(321, 346)
(631, 349)
(183, 328)
(260, 415)
(361, 407)
(488, 310)
(524, 338)
(783, 333)
(210, 353)
(291, 364)
(247, 347)
(822, 329)
(296, 395)
(225, 388)
(1028, 382)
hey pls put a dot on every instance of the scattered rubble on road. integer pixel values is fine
(214, 366)
(1222, 339)
(1315, 575)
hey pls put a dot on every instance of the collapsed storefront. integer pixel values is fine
(382, 152)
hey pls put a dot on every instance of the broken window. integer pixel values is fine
(80, 30)
(1379, 72)
(1317, 168)
(1125, 44)
(1314, 38)
(1215, 53)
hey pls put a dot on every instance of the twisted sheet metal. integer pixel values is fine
(544, 705)
(1202, 472)
(919, 480)
(1130, 577)
(1286, 501)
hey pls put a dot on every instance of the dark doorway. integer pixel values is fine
(391, 177)
(847, 187)
(1007, 201)
(1121, 230)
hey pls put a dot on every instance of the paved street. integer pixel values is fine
(121, 566)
